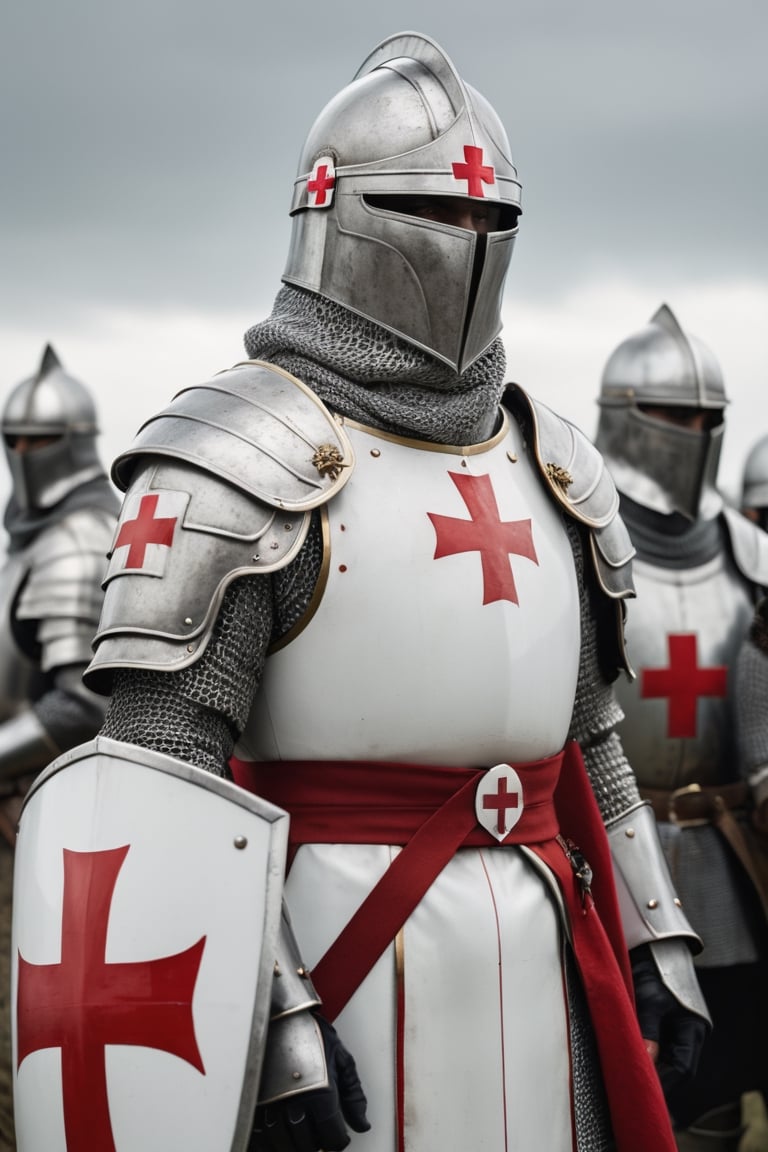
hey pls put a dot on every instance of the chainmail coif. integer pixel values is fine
(367, 373)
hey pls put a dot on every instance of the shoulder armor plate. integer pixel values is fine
(183, 536)
(258, 428)
(580, 482)
(750, 547)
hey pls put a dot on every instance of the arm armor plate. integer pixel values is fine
(294, 1060)
(63, 592)
(235, 468)
(651, 911)
(576, 475)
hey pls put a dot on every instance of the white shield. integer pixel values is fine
(147, 900)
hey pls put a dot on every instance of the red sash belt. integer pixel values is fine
(428, 809)
(365, 802)
(431, 812)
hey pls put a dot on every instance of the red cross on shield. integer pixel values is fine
(143, 950)
(499, 800)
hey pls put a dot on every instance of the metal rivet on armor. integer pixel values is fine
(653, 903)
(464, 464)
(629, 833)
(296, 1075)
(342, 527)
(274, 544)
(276, 970)
(678, 902)
(375, 452)
(342, 567)
(255, 559)
(288, 527)
(303, 972)
(512, 457)
(190, 647)
(240, 841)
(187, 619)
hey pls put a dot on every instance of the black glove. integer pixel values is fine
(679, 1032)
(316, 1119)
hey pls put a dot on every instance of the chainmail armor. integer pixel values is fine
(370, 375)
(294, 585)
(596, 710)
(196, 713)
(593, 1129)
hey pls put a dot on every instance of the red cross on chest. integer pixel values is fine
(143, 530)
(683, 683)
(83, 1003)
(495, 539)
(474, 171)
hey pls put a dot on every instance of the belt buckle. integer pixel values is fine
(672, 816)
(499, 800)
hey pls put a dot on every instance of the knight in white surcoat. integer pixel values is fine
(699, 570)
(387, 595)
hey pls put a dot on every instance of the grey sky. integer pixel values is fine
(149, 149)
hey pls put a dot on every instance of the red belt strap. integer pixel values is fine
(383, 814)
(387, 798)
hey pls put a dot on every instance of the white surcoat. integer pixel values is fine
(447, 631)
(433, 644)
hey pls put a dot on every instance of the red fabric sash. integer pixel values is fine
(430, 810)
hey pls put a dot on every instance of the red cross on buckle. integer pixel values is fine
(682, 683)
(474, 171)
(495, 539)
(499, 800)
(321, 181)
(83, 1004)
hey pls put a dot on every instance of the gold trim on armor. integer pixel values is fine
(428, 445)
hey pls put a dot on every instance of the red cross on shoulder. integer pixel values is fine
(146, 532)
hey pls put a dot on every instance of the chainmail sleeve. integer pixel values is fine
(197, 714)
(596, 711)
(751, 683)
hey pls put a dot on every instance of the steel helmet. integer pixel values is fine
(754, 490)
(50, 404)
(659, 464)
(406, 126)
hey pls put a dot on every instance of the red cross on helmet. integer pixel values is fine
(407, 127)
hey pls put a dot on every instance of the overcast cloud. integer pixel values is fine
(149, 148)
